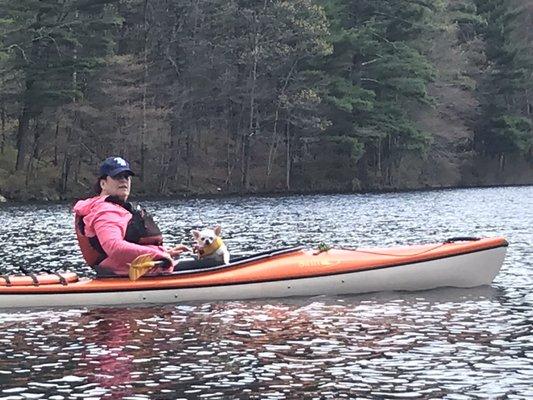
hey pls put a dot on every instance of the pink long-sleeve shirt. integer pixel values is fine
(108, 222)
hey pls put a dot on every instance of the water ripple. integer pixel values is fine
(447, 343)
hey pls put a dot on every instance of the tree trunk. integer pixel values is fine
(188, 151)
(65, 169)
(529, 107)
(245, 166)
(22, 139)
(56, 138)
(234, 142)
(275, 140)
(69, 155)
(273, 148)
(79, 150)
(173, 160)
(35, 148)
(247, 134)
(289, 161)
(3, 124)
(379, 157)
(230, 163)
(145, 84)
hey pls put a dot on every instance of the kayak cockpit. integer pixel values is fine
(189, 264)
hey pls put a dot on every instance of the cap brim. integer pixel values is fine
(120, 170)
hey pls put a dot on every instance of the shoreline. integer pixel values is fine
(226, 195)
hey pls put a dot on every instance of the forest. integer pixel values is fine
(217, 97)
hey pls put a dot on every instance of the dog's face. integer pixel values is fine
(206, 236)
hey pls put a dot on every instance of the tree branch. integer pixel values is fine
(13, 46)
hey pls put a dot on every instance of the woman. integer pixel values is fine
(112, 232)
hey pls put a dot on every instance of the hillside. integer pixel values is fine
(229, 97)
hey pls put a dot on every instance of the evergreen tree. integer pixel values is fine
(506, 125)
(377, 69)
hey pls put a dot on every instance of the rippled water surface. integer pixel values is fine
(445, 343)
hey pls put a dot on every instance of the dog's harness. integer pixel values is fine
(210, 249)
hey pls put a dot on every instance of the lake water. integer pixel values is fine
(445, 343)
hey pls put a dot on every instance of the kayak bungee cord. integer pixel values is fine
(447, 241)
(394, 255)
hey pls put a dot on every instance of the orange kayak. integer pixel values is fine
(460, 262)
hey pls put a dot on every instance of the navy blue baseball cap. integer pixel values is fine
(113, 166)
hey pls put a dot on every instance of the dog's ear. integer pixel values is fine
(217, 230)
(195, 234)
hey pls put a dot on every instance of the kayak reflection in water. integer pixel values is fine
(112, 232)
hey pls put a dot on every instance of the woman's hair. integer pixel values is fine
(97, 189)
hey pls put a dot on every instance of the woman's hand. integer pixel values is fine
(176, 251)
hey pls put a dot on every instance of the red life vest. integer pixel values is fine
(90, 254)
(141, 229)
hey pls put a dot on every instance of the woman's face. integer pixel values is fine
(118, 185)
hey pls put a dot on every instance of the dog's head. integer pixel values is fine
(207, 236)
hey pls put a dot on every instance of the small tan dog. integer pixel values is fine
(210, 245)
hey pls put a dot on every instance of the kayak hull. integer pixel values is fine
(469, 268)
